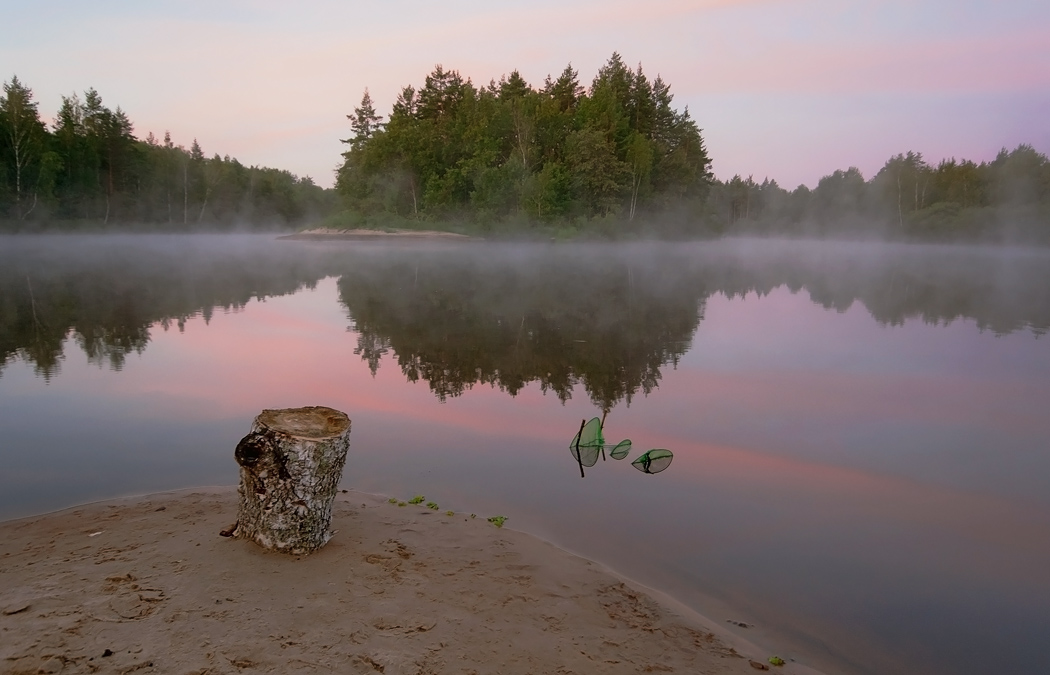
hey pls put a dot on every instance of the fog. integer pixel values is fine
(603, 316)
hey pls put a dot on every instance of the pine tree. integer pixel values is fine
(364, 122)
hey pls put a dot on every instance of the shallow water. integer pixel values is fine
(860, 431)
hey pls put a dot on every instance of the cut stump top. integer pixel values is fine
(312, 422)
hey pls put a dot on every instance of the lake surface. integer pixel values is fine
(861, 432)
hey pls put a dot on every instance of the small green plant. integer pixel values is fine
(418, 499)
(401, 503)
(392, 500)
(776, 660)
(432, 505)
(498, 520)
(450, 513)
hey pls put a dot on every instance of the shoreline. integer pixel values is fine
(331, 234)
(397, 590)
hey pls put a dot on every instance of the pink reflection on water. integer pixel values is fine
(293, 351)
(735, 420)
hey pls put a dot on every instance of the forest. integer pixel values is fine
(1006, 200)
(508, 154)
(87, 170)
(617, 159)
(614, 159)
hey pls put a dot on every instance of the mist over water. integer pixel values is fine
(859, 429)
(109, 290)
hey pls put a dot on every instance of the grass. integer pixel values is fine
(433, 506)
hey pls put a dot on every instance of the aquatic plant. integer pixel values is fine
(497, 520)
(418, 499)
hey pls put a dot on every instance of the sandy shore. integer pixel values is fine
(333, 234)
(147, 585)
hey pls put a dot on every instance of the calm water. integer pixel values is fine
(860, 431)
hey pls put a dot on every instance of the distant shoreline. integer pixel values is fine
(328, 233)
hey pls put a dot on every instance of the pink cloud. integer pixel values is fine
(1000, 63)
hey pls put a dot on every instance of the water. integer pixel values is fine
(860, 431)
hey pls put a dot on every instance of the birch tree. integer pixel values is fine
(22, 139)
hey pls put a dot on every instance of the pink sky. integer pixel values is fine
(791, 90)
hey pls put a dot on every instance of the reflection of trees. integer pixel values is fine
(1002, 290)
(605, 317)
(559, 317)
(609, 318)
(106, 292)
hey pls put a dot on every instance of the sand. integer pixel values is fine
(147, 585)
(328, 233)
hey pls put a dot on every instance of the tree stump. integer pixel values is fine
(291, 462)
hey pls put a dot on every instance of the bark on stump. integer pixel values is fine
(291, 462)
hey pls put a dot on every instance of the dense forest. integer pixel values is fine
(89, 170)
(616, 159)
(510, 153)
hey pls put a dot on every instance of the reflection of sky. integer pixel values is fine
(788, 90)
(883, 489)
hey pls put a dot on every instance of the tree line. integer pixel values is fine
(617, 159)
(1006, 199)
(613, 159)
(88, 168)
(510, 152)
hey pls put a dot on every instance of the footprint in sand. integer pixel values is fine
(131, 601)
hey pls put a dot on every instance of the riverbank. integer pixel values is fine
(147, 585)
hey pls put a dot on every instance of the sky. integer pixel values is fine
(786, 89)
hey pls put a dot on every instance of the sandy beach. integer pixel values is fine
(322, 233)
(147, 585)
